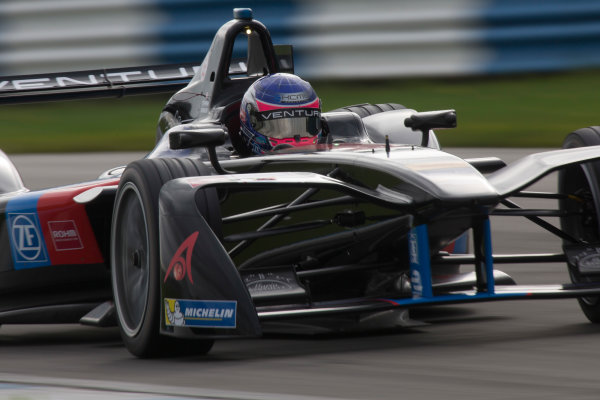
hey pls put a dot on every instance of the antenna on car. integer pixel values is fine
(387, 145)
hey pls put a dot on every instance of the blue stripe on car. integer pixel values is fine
(27, 245)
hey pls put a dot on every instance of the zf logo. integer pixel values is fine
(27, 239)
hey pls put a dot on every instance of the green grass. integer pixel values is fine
(520, 111)
(90, 125)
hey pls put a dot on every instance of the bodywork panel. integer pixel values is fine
(196, 275)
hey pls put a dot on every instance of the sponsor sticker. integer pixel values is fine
(420, 266)
(65, 235)
(290, 113)
(27, 243)
(180, 266)
(413, 248)
(415, 281)
(79, 78)
(295, 97)
(200, 313)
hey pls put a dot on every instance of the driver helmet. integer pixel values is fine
(279, 109)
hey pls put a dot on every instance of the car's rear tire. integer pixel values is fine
(366, 109)
(584, 184)
(135, 261)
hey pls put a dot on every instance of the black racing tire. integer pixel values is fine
(135, 260)
(586, 187)
(366, 109)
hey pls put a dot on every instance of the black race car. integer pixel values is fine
(200, 241)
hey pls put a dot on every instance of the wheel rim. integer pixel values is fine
(585, 225)
(130, 260)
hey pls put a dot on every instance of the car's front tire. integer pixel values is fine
(135, 261)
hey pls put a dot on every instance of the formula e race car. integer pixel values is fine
(200, 241)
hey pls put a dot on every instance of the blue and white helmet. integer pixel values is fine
(279, 109)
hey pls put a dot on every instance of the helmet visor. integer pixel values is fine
(287, 123)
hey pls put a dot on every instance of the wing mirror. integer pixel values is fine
(196, 135)
(425, 121)
(199, 135)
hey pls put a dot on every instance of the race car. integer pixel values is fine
(202, 240)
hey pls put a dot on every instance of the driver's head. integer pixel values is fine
(279, 109)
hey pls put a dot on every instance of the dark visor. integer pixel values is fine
(287, 123)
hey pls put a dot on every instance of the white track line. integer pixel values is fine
(35, 387)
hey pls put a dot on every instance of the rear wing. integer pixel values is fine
(116, 82)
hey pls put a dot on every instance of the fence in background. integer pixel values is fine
(332, 38)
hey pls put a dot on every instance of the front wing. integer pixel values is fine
(203, 290)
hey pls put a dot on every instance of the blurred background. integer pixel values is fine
(519, 73)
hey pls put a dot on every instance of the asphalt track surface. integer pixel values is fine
(543, 349)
